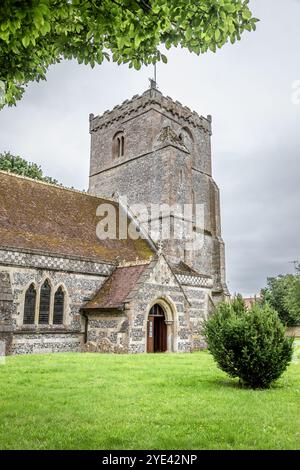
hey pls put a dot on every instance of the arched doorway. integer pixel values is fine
(156, 330)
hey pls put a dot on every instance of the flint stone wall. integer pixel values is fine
(80, 278)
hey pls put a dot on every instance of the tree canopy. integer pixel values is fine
(20, 166)
(37, 33)
(283, 294)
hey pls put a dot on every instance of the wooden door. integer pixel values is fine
(160, 335)
(156, 330)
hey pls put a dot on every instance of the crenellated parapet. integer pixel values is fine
(150, 99)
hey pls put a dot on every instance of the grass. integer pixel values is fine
(162, 401)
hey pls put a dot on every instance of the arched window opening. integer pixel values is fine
(58, 310)
(45, 303)
(118, 145)
(157, 311)
(29, 305)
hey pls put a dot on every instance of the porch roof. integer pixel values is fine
(113, 293)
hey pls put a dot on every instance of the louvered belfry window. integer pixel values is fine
(29, 306)
(58, 311)
(45, 303)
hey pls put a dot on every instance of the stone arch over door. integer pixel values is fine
(170, 314)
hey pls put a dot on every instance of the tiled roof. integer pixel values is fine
(115, 290)
(39, 216)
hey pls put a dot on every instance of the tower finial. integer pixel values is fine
(153, 82)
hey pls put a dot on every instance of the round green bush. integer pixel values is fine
(248, 344)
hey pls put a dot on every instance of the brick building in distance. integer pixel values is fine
(66, 287)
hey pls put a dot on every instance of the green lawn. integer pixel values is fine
(162, 401)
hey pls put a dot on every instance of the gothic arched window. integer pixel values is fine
(45, 303)
(58, 310)
(29, 305)
(118, 145)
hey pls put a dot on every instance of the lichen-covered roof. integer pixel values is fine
(39, 216)
(115, 290)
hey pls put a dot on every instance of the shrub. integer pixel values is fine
(250, 345)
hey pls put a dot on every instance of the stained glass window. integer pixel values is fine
(45, 303)
(58, 312)
(29, 306)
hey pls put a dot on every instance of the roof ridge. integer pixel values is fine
(57, 186)
(131, 264)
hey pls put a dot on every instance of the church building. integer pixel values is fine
(93, 271)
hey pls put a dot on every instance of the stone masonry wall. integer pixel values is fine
(108, 332)
(78, 287)
(6, 306)
(42, 343)
(198, 311)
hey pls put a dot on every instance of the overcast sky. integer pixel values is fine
(246, 87)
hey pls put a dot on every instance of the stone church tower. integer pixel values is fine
(156, 151)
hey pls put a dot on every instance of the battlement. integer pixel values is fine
(152, 99)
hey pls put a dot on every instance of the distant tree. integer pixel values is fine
(249, 344)
(292, 300)
(37, 33)
(282, 293)
(20, 166)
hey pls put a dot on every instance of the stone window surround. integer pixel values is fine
(53, 291)
(171, 320)
(118, 145)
